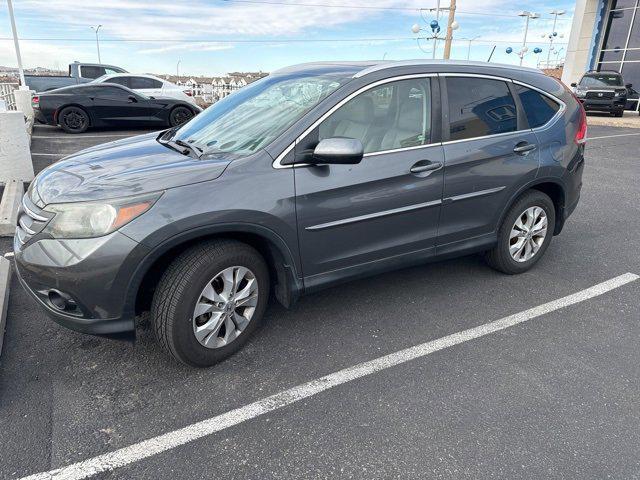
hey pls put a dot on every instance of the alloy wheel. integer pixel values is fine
(528, 234)
(225, 307)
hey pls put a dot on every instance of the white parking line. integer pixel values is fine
(147, 448)
(611, 136)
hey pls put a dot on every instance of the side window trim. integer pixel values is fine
(277, 162)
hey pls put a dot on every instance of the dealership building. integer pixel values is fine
(605, 35)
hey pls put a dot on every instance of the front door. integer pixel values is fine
(354, 218)
(490, 153)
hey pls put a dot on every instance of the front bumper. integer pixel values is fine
(94, 274)
(604, 105)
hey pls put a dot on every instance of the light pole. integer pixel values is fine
(97, 29)
(469, 47)
(178, 69)
(15, 42)
(553, 33)
(528, 15)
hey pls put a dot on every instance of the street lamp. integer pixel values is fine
(527, 15)
(178, 69)
(553, 33)
(97, 29)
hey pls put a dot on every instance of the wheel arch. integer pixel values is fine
(550, 186)
(285, 280)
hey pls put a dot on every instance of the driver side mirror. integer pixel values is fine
(574, 84)
(338, 151)
(132, 99)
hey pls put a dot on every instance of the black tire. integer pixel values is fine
(499, 257)
(73, 119)
(179, 290)
(180, 115)
(619, 113)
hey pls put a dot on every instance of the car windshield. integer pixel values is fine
(601, 80)
(252, 117)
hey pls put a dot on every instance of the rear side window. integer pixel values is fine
(124, 81)
(479, 107)
(538, 108)
(144, 82)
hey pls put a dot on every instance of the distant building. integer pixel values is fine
(212, 89)
(605, 35)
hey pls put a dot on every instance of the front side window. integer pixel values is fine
(538, 108)
(392, 116)
(114, 93)
(479, 107)
(249, 119)
(124, 81)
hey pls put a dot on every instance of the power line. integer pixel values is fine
(369, 7)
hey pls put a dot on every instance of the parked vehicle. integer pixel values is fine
(78, 73)
(396, 163)
(148, 85)
(101, 105)
(632, 99)
(602, 91)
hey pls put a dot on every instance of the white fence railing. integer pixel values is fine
(7, 96)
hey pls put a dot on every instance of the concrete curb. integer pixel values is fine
(5, 283)
(11, 198)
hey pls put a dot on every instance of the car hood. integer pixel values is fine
(131, 166)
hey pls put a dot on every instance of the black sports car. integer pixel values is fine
(79, 107)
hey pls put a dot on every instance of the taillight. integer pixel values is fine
(35, 101)
(188, 92)
(581, 133)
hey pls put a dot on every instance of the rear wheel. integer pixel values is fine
(73, 119)
(179, 115)
(619, 113)
(524, 235)
(209, 301)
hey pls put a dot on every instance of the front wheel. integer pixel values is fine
(180, 115)
(209, 301)
(524, 235)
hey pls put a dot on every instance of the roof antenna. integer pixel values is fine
(491, 55)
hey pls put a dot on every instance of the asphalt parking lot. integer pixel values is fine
(553, 397)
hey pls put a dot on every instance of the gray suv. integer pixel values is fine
(314, 175)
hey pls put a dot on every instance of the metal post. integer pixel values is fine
(435, 34)
(178, 69)
(96, 29)
(15, 42)
(524, 40)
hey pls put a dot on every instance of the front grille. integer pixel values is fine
(600, 95)
(31, 220)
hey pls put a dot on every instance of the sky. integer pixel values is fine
(212, 37)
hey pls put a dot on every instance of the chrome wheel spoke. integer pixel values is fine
(225, 307)
(528, 233)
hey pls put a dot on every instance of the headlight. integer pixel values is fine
(580, 93)
(95, 219)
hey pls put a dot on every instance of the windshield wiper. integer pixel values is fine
(182, 147)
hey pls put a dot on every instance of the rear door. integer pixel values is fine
(489, 153)
(353, 219)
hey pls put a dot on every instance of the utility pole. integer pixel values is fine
(96, 29)
(178, 69)
(469, 47)
(15, 42)
(435, 35)
(449, 36)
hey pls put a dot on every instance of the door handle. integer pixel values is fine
(523, 148)
(425, 166)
